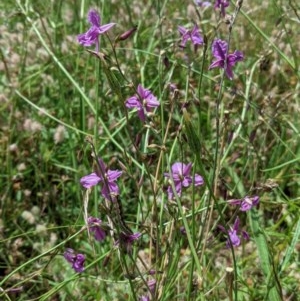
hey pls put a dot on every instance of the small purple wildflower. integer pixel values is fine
(145, 101)
(203, 3)
(144, 298)
(151, 285)
(77, 260)
(193, 35)
(180, 173)
(222, 4)
(245, 203)
(94, 225)
(219, 50)
(108, 179)
(233, 234)
(91, 36)
(126, 241)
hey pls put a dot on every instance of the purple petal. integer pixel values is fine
(255, 200)
(187, 181)
(178, 188)
(203, 3)
(141, 114)
(170, 193)
(102, 167)
(182, 30)
(90, 180)
(217, 63)
(113, 175)
(245, 235)
(142, 92)
(94, 18)
(187, 169)
(196, 37)
(106, 27)
(229, 72)
(152, 102)
(69, 255)
(198, 180)
(245, 206)
(235, 240)
(234, 202)
(219, 49)
(89, 38)
(110, 190)
(78, 264)
(95, 227)
(232, 59)
(178, 168)
(236, 224)
(133, 102)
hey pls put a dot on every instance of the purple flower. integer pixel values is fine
(219, 50)
(77, 260)
(95, 227)
(151, 285)
(233, 234)
(126, 241)
(222, 4)
(91, 36)
(180, 173)
(246, 203)
(144, 102)
(193, 35)
(203, 3)
(144, 298)
(104, 176)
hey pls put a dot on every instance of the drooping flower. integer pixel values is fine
(222, 4)
(245, 203)
(193, 35)
(106, 177)
(144, 102)
(94, 225)
(234, 234)
(219, 50)
(180, 173)
(77, 260)
(91, 36)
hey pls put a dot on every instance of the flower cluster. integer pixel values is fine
(234, 232)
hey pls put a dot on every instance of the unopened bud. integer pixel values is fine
(127, 34)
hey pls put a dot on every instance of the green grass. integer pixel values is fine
(242, 136)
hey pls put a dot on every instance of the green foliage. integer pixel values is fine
(58, 98)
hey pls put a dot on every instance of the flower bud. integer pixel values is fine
(127, 34)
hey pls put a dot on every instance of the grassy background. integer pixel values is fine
(54, 95)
